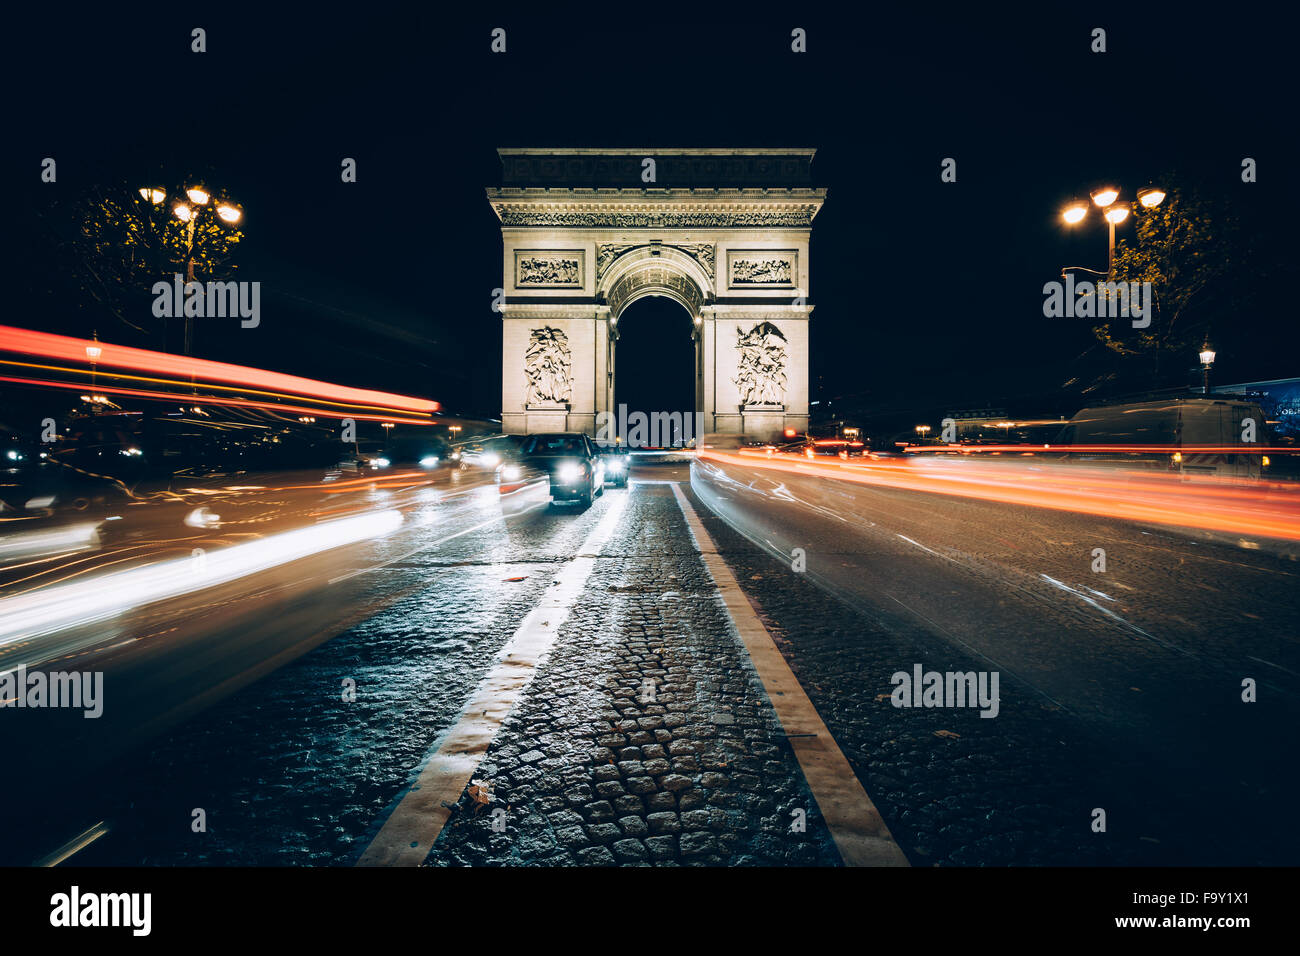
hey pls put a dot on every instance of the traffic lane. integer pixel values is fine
(210, 513)
(956, 788)
(1155, 648)
(420, 616)
(170, 636)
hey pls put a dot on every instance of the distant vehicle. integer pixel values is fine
(572, 462)
(617, 463)
(487, 453)
(1165, 436)
(367, 459)
(834, 448)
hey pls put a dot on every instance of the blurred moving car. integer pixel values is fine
(834, 448)
(572, 462)
(487, 453)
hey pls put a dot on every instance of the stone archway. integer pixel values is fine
(726, 236)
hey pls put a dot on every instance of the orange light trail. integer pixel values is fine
(67, 349)
(215, 400)
(104, 376)
(1272, 510)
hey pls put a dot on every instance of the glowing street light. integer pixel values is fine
(228, 212)
(1075, 212)
(1206, 355)
(1104, 196)
(1151, 196)
(1116, 214)
(922, 431)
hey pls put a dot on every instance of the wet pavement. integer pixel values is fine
(645, 735)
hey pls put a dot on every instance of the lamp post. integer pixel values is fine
(93, 352)
(922, 431)
(1104, 198)
(1206, 356)
(197, 203)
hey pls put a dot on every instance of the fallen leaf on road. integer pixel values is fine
(480, 791)
(880, 697)
(522, 577)
(756, 577)
(947, 733)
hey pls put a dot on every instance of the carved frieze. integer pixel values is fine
(760, 367)
(606, 253)
(705, 253)
(795, 217)
(762, 268)
(548, 369)
(536, 269)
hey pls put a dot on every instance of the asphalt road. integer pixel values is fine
(1120, 689)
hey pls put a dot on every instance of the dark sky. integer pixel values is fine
(927, 293)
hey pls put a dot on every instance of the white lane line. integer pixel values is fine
(855, 824)
(409, 833)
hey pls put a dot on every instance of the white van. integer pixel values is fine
(1179, 425)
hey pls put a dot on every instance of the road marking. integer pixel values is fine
(409, 833)
(855, 824)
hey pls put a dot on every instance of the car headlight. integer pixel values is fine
(511, 472)
(491, 460)
(380, 462)
(429, 461)
(202, 518)
(568, 472)
(615, 464)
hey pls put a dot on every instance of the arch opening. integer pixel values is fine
(656, 388)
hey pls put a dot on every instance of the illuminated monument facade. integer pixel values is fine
(722, 232)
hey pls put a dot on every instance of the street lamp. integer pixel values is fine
(1151, 196)
(1206, 356)
(922, 431)
(1105, 198)
(188, 208)
(1075, 212)
(1115, 215)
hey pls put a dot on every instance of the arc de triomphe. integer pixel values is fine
(723, 232)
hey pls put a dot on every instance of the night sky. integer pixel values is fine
(928, 294)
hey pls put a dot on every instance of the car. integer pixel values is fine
(487, 454)
(617, 464)
(834, 448)
(571, 461)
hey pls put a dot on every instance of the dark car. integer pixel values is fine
(571, 461)
(617, 464)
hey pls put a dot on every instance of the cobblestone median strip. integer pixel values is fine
(855, 824)
(409, 833)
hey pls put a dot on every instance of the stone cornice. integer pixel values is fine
(656, 208)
